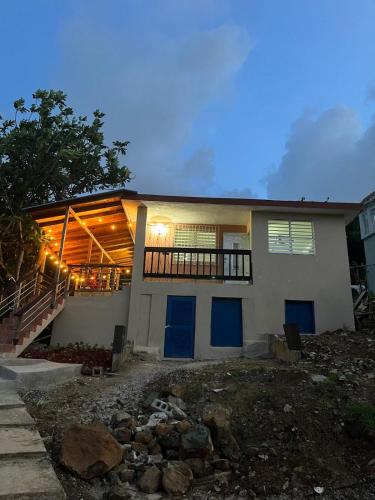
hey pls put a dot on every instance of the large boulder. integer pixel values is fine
(218, 419)
(89, 450)
(177, 478)
(196, 442)
(150, 480)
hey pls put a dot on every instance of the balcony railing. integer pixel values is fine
(197, 263)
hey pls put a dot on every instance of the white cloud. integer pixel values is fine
(331, 155)
(152, 89)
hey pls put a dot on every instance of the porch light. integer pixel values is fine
(159, 230)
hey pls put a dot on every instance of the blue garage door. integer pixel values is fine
(302, 313)
(180, 327)
(226, 322)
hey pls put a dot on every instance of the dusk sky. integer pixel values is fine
(219, 98)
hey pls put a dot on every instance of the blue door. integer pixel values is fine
(226, 322)
(180, 327)
(302, 313)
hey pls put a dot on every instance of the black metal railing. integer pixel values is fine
(197, 263)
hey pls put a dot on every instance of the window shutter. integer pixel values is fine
(291, 237)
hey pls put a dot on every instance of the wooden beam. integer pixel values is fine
(131, 229)
(87, 230)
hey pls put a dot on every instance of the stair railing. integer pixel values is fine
(25, 291)
(47, 302)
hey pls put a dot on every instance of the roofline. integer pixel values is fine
(134, 195)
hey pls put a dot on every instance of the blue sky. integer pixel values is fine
(239, 98)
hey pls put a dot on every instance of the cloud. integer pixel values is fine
(330, 155)
(152, 88)
(239, 193)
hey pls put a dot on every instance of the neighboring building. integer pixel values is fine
(367, 223)
(202, 277)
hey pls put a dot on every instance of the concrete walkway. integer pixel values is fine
(25, 469)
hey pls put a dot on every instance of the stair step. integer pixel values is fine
(10, 399)
(15, 417)
(29, 479)
(20, 442)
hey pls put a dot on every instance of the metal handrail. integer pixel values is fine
(47, 301)
(24, 292)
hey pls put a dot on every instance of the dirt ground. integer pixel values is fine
(293, 428)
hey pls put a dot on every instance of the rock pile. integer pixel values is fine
(162, 451)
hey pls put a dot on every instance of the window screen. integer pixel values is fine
(291, 237)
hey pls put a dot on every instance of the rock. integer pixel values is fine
(177, 412)
(120, 493)
(123, 435)
(89, 450)
(155, 450)
(177, 478)
(170, 441)
(163, 429)
(200, 468)
(178, 391)
(177, 402)
(143, 437)
(196, 442)
(216, 417)
(140, 447)
(317, 378)
(150, 480)
(123, 419)
(126, 475)
(155, 459)
(221, 464)
(183, 426)
(156, 418)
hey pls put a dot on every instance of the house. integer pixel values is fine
(367, 225)
(189, 277)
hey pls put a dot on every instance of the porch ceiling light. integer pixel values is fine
(159, 230)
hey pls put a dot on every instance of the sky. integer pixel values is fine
(269, 99)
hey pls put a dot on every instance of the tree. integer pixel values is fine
(47, 153)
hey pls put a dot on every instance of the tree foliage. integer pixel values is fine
(47, 153)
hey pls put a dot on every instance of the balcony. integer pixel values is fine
(198, 264)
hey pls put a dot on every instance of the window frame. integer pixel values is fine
(292, 245)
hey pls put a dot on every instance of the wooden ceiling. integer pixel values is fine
(94, 228)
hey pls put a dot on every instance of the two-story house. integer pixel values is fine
(190, 277)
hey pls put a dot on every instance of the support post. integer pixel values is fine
(61, 252)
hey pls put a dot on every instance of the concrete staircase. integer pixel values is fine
(25, 469)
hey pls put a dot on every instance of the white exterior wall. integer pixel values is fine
(91, 319)
(322, 278)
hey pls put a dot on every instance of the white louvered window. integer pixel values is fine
(291, 237)
(194, 237)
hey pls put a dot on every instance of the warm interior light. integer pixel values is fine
(65, 270)
(50, 230)
(51, 257)
(159, 230)
(46, 252)
(100, 219)
(55, 244)
(92, 277)
(83, 223)
(113, 226)
(104, 276)
(56, 262)
(127, 271)
(82, 279)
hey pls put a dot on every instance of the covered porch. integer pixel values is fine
(90, 240)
